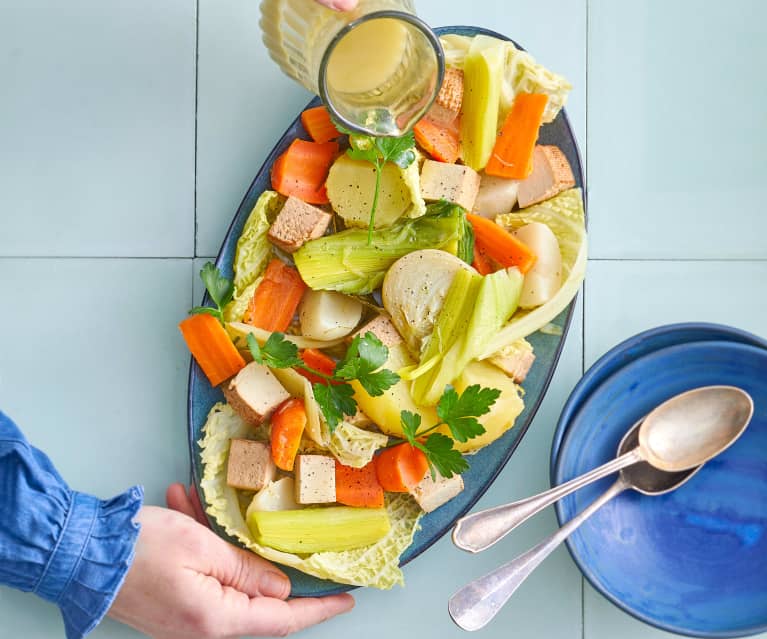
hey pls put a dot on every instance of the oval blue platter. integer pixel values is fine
(694, 561)
(487, 463)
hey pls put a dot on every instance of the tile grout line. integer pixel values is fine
(196, 107)
(583, 298)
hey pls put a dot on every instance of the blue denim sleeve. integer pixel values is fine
(68, 547)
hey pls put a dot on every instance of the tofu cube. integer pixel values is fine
(382, 327)
(254, 393)
(551, 175)
(250, 465)
(453, 182)
(431, 494)
(315, 479)
(296, 223)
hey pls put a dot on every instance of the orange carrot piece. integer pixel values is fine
(288, 423)
(276, 298)
(317, 360)
(211, 347)
(400, 467)
(499, 245)
(512, 155)
(440, 141)
(302, 170)
(318, 124)
(482, 262)
(358, 486)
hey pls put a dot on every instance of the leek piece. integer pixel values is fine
(311, 530)
(483, 78)
(345, 261)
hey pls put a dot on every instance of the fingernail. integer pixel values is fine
(273, 584)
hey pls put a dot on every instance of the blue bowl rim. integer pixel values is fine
(747, 340)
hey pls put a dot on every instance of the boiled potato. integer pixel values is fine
(545, 278)
(327, 315)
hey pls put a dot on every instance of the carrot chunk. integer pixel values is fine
(302, 170)
(499, 245)
(288, 423)
(512, 155)
(440, 141)
(211, 347)
(318, 124)
(276, 298)
(358, 486)
(400, 467)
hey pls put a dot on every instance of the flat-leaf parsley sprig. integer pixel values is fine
(459, 413)
(363, 361)
(378, 151)
(220, 289)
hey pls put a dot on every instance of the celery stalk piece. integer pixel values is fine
(483, 79)
(346, 262)
(311, 530)
(495, 300)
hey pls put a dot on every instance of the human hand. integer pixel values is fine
(339, 5)
(186, 581)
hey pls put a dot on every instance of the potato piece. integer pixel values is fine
(277, 495)
(328, 315)
(496, 196)
(545, 278)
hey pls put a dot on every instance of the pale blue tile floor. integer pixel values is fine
(128, 135)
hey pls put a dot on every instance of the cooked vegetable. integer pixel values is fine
(482, 76)
(544, 279)
(328, 315)
(277, 495)
(317, 360)
(288, 423)
(501, 245)
(276, 298)
(352, 188)
(211, 347)
(303, 169)
(253, 248)
(414, 290)
(481, 262)
(358, 487)
(564, 215)
(496, 196)
(440, 141)
(401, 467)
(512, 155)
(354, 446)
(239, 332)
(464, 327)
(313, 530)
(318, 124)
(521, 74)
(345, 262)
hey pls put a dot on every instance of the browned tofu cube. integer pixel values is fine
(433, 493)
(250, 465)
(296, 223)
(382, 327)
(551, 175)
(315, 479)
(455, 183)
(254, 393)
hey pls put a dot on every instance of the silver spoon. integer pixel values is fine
(479, 601)
(681, 433)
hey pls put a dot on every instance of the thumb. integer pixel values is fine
(247, 572)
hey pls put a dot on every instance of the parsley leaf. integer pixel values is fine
(277, 352)
(410, 424)
(363, 358)
(220, 289)
(460, 412)
(335, 401)
(378, 151)
(442, 457)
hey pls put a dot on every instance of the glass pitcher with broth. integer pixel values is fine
(378, 67)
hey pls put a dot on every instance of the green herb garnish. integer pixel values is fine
(378, 151)
(459, 413)
(220, 289)
(363, 359)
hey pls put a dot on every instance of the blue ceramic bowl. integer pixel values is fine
(488, 462)
(694, 561)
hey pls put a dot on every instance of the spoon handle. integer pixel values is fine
(474, 605)
(482, 529)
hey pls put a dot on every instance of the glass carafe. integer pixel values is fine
(378, 68)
